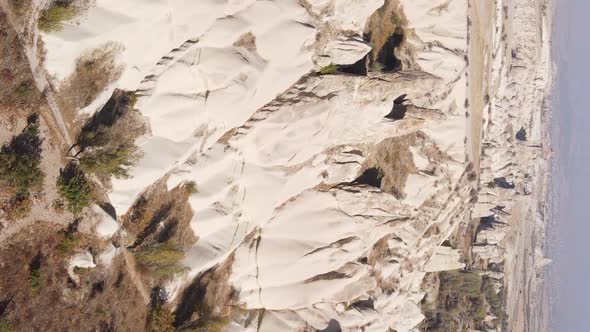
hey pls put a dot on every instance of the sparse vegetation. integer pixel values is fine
(461, 303)
(162, 259)
(329, 69)
(74, 188)
(53, 17)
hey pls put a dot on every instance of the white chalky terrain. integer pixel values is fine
(274, 148)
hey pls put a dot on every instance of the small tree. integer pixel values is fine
(74, 188)
(107, 140)
(108, 162)
(20, 160)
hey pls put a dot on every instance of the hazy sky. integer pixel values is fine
(572, 173)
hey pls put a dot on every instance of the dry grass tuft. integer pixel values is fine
(395, 161)
(95, 70)
(394, 158)
(247, 41)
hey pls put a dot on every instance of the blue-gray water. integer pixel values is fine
(569, 231)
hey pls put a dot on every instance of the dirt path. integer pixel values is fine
(481, 18)
(130, 264)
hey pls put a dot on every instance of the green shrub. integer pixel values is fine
(35, 272)
(20, 160)
(162, 259)
(329, 69)
(51, 19)
(35, 279)
(110, 162)
(74, 188)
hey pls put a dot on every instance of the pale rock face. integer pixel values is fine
(275, 151)
(108, 254)
(344, 51)
(445, 258)
(106, 226)
(83, 260)
(276, 193)
(351, 15)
